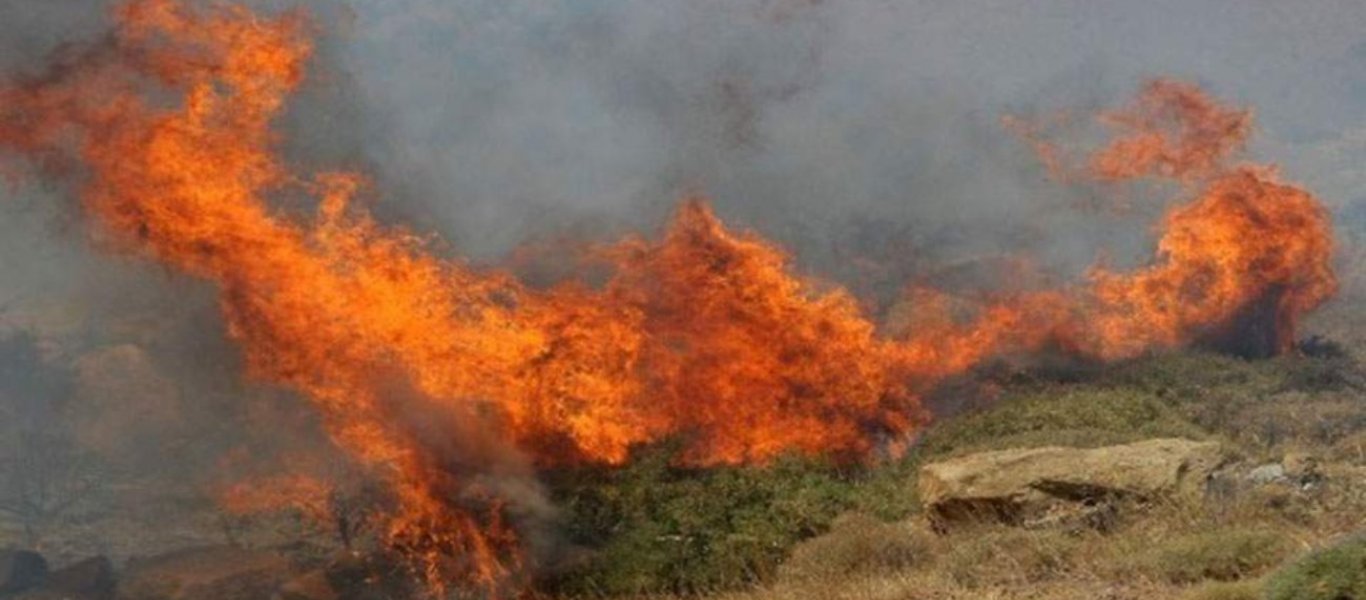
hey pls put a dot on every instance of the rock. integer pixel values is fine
(313, 585)
(1297, 469)
(1299, 463)
(21, 570)
(1094, 515)
(1267, 474)
(90, 579)
(1303, 469)
(1054, 484)
(212, 573)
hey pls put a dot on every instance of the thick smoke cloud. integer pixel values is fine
(850, 129)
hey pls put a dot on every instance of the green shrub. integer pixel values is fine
(858, 543)
(1337, 573)
(1319, 374)
(1224, 555)
(653, 527)
(1254, 402)
(886, 490)
(1065, 416)
(1193, 374)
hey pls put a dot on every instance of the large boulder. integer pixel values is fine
(212, 573)
(1040, 485)
(21, 570)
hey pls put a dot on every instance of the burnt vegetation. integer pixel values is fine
(47, 475)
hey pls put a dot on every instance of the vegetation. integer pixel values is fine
(1261, 406)
(1336, 573)
(1008, 556)
(856, 544)
(43, 473)
(1222, 590)
(654, 527)
(1218, 555)
(804, 528)
(1061, 416)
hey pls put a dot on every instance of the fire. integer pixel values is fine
(1245, 240)
(1245, 243)
(1237, 265)
(425, 369)
(1171, 130)
(325, 306)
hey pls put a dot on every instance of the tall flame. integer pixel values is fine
(703, 334)
(1246, 239)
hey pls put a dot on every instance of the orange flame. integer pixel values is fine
(704, 333)
(1172, 130)
(1245, 239)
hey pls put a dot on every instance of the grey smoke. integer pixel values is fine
(845, 129)
(818, 123)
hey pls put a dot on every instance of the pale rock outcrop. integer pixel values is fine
(1035, 486)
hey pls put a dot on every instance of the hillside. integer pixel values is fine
(1292, 431)
(1277, 516)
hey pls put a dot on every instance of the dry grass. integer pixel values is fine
(1215, 549)
(860, 544)
(1221, 590)
(1220, 547)
(1218, 555)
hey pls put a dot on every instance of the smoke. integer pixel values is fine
(856, 129)
(146, 368)
(844, 129)
(859, 133)
(527, 119)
